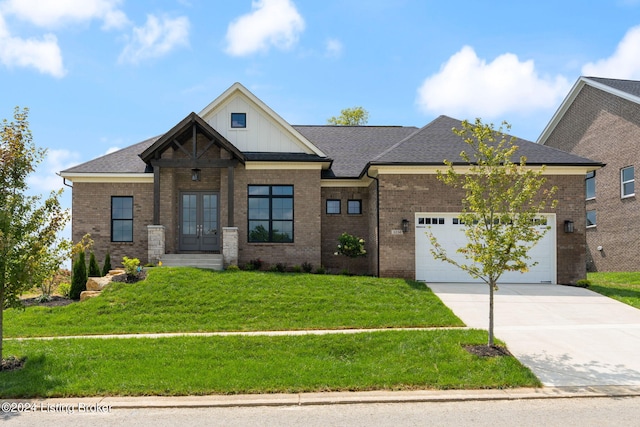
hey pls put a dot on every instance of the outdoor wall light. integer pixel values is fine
(568, 226)
(405, 225)
(195, 174)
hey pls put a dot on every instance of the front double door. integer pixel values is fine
(199, 222)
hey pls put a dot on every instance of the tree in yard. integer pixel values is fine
(94, 268)
(351, 247)
(356, 116)
(500, 208)
(29, 226)
(107, 264)
(79, 273)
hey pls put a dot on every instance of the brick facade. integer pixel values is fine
(92, 214)
(427, 194)
(606, 128)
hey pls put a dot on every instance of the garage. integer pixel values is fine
(450, 234)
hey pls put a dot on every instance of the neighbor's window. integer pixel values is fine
(333, 206)
(238, 120)
(354, 207)
(122, 219)
(590, 183)
(627, 182)
(591, 218)
(270, 213)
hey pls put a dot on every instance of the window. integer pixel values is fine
(354, 207)
(591, 218)
(626, 182)
(239, 120)
(590, 183)
(270, 213)
(122, 219)
(333, 206)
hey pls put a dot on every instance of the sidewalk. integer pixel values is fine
(331, 398)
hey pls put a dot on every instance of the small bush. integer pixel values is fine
(79, 278)
(345, 272)
(296, 269)
(107, 264)
(131, 267)
(321, 270)
(232, 267)
(64, 289)
(307, 267)
(254, 264)
(94, 268)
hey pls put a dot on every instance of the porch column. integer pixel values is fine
(229, 246)
(156, 195)
(155, 243)
(230, 179)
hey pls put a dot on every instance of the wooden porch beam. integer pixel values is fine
(194, 163)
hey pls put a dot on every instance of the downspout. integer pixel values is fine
(64, 180)
(377, 221)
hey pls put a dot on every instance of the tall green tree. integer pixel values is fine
(29, 225)
(356, 116)
(500, 209)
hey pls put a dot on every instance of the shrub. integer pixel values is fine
(107, 264)
(94, 268)
(64, 289)
(321, 270)
(79, 277)
(131, 267)
(254, 264)
(278, 268)
(296, 269)
(307, 267)
(350, 246)
(232, 267)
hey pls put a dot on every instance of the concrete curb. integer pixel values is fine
(103, 404)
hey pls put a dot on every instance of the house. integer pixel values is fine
(600, 119)
(237, 182)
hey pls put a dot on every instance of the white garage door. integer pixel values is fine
(450, 235)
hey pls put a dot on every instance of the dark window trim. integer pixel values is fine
(359, 207)
(270, 197)
(232, 121)
(339, 207)
(121, 219)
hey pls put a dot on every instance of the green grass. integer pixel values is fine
(621, 286)
(391, 360)
(194, 300)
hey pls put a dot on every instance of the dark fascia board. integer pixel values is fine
(181, 127)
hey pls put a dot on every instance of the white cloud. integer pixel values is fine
(42, 54)
(112, 150)
(157, 37)
(470, 87)
(334, 48)
(271, 23)
(623, 64)
(45, 180)
(52, 14)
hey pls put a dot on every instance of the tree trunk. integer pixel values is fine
(492, 285)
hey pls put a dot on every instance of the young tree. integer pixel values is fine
(28, 225)
(107, 264)
(356, 116)
(500, 207)
(94, 268)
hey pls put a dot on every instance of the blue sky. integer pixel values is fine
(103, 74)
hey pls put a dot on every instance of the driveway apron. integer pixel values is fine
(567, 336)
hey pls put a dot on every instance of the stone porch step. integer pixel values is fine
(209, 261)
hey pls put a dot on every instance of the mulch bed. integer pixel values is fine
(56, 301)
(11, 363)
(484, 350)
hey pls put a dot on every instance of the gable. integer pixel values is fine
(265, 131)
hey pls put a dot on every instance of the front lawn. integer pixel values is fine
(195, 300)
(621, 286)
(389, 360)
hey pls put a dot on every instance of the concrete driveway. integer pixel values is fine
(567, 336)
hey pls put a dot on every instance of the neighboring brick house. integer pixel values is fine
(239, 181)
(600, 119)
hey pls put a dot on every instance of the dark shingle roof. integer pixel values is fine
(121, 161)
(351, 147)
(436, 142)
(631, 87)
